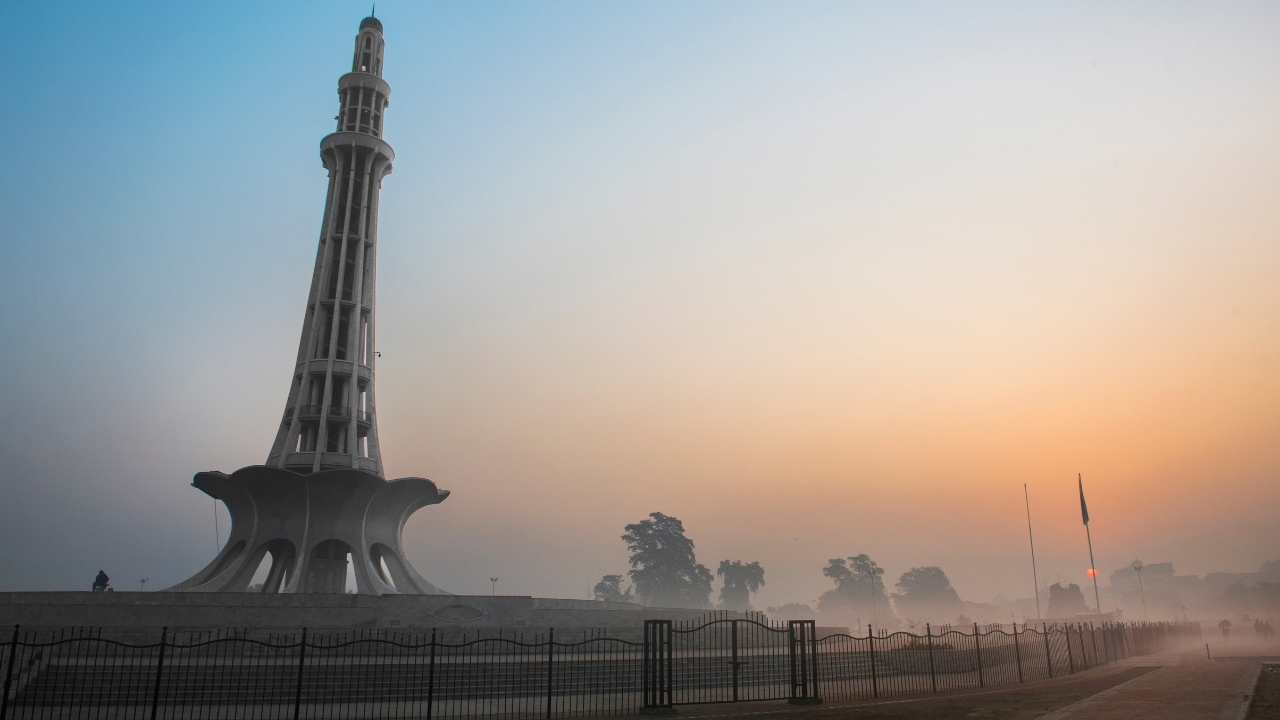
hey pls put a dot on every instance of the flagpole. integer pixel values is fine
(1093, 567)
(1035, 578)
(1093, 570)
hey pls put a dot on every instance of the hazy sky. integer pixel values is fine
(817, 278)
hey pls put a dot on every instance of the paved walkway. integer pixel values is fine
(1163, 687)
(1184, 688)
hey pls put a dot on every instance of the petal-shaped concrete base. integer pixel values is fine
(308, 524)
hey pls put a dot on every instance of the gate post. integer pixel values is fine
(871, 643)
(733, 627)
(656, 668)
(977, 650)
(551, 660)
(933, 677)
(802, 636)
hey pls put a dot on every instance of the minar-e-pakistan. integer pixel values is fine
(321, 496)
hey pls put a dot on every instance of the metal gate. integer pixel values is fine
(724, 660)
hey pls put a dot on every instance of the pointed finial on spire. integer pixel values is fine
(373, 11)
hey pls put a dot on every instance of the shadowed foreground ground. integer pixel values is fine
(1150, 688)
(1266, 698)
(1030, 701)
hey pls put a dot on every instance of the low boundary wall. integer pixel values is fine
(140, 610)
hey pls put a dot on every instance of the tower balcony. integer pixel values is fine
(365, 80)
(342, 368)
(336, 412)
(348, 139)
(345, 139)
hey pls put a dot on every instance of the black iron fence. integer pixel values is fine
(79, 673)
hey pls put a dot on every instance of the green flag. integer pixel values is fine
(1084, 509)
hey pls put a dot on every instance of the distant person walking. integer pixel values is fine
(1225, 627)
(101, 582)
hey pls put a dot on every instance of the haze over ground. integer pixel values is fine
(818, 280)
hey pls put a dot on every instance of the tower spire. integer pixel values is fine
(330, 418)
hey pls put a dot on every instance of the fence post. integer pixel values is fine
(811, 628)
(297, 690)
(871, 643)
(551, 657)
(977, 649)
(1048, 657)
(1017, 650)
(733, 627)
(1093, 642)
(155, 691)
(431, 675)
(792, 642)
(933, 677)
(8, 673)
(1071, 662)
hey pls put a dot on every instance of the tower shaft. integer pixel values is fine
(330, 418)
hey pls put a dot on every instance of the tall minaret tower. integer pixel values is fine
(330, 419)
(319, 516)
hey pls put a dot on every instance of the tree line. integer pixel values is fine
(665, 572)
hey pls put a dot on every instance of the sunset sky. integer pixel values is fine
(817, 278)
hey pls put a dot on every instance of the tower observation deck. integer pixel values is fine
(330, 418)
(319, 516)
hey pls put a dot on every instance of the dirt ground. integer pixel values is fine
(1021, 703)
(1266, 699)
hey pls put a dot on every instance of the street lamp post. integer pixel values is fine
(493, 586)
(1142, 593)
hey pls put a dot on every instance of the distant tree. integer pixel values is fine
(792, 611)
(859, 594)
(925, 593)
(664, 569)
(739, 581)
(609, 589)
(1066, 601)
